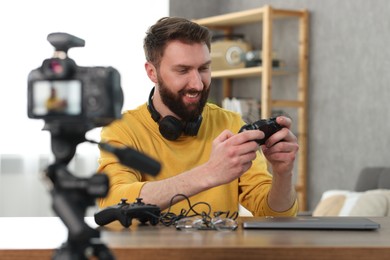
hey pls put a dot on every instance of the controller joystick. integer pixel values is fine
(267, 126)
(125, 212)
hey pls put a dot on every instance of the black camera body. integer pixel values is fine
(71, 97)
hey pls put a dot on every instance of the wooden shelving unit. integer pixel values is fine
(264, 17)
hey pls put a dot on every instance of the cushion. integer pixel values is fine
(370, 203)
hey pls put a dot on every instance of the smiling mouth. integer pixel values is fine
(192, 95)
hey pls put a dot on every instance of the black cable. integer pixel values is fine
(169, 218)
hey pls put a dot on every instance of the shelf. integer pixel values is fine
(245, 17)
(287, 103)
(265, 16)
(243, 72)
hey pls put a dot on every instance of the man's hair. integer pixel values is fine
(168, 29)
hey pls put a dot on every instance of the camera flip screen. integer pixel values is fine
(56, 98)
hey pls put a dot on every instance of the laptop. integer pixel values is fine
(309, 222)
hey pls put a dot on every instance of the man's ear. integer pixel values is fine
(151, 71)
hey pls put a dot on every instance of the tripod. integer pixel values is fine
(71, 196)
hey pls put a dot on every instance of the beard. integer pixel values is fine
(186, 112)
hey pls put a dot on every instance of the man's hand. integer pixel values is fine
(281, 148)
(232, 155)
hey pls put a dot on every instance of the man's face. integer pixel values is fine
(184, 79)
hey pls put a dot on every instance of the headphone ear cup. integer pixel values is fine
(170, 127)
(192, 128)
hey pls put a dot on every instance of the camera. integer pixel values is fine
(69, 97)
(73, 100)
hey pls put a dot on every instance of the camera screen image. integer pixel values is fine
(56, 98)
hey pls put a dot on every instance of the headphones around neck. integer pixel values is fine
(169, 126)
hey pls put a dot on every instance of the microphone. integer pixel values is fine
(134, 159)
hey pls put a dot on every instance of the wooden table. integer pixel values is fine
(35, 238)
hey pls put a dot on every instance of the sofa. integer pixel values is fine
(370, 197)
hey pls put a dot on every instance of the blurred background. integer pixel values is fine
(349, 82)
(113, 34)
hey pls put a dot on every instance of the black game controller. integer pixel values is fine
(267, 126)
(125, 212)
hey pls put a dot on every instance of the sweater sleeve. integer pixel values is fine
(124, 182)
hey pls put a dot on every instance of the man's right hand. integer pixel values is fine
(232, 155)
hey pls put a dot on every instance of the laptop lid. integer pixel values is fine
(309, 222)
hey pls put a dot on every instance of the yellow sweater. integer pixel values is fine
(137, 130)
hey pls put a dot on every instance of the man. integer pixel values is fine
(197, 143)
(54, 104)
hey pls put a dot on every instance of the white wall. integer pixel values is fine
(113, 31)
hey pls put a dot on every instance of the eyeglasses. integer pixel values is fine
(203, 222)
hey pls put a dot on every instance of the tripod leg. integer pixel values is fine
(101, 251)
(83, 251)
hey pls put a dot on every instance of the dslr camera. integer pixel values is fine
(71, 98)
